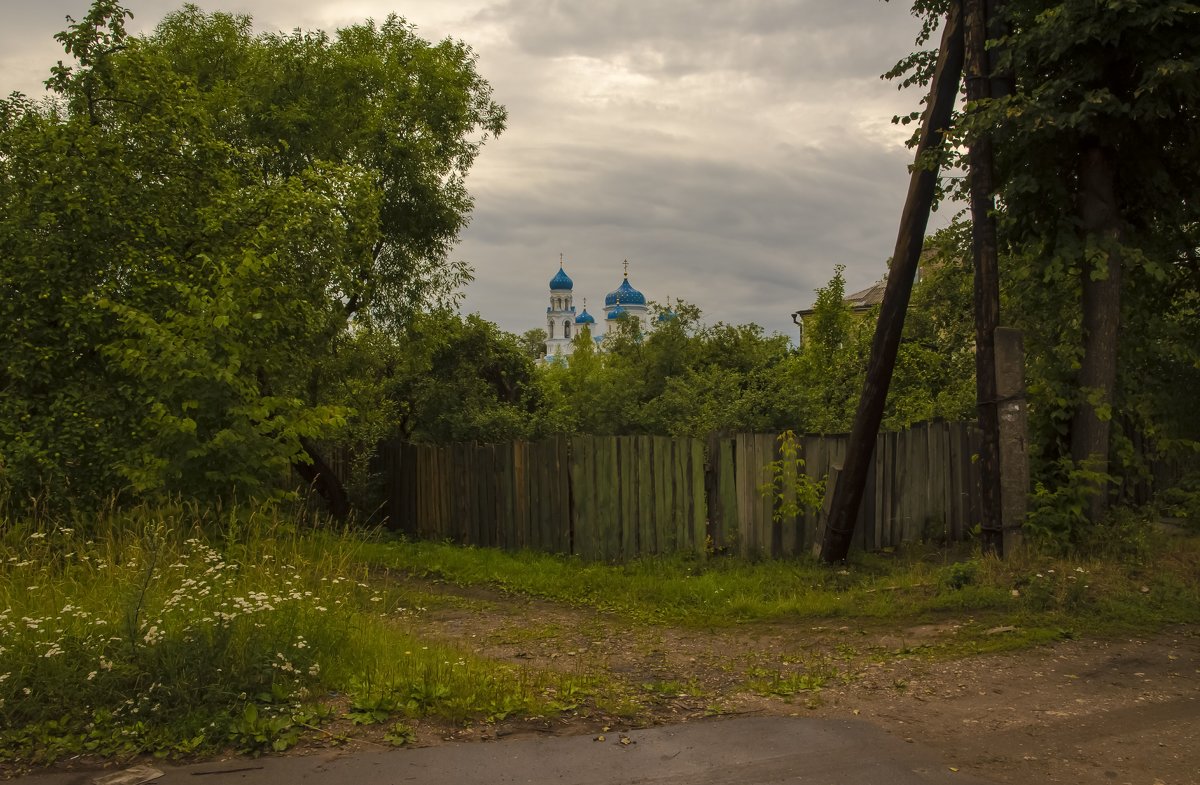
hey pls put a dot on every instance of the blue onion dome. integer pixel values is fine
(561, 282)
(616, 313)
(625, 294)
(585, 318)
(666, 316)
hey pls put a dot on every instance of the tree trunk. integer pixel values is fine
(320, 477)
(1100, 223)
(987, 281)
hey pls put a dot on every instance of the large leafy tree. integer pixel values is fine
(412, 114)
(1098, 168)
(193, 226)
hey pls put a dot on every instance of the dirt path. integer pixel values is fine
(1087, 711)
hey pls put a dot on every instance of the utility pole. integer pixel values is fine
(848, 489)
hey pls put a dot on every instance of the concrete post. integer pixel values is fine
(1014, 434)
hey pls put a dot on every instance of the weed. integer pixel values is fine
(673, 688)
(400, 734)
(793, 492)
(780, 684)
(959, 574)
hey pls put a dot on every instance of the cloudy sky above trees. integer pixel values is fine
(734, 151)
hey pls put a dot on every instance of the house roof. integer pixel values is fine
(872, 295)
(862, 300)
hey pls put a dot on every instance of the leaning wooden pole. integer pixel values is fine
(987, 277)
(848, 490)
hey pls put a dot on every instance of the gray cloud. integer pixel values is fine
(810, 39)
(745, 242)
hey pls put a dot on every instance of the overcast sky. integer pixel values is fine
(733, 151)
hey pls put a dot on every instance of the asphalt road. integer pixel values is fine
(745, 751)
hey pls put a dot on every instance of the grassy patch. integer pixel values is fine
(182, 630)
(1042, 595)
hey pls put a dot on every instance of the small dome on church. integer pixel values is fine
(625, 295)
(616, 313)
(561, 282)
(585, 318)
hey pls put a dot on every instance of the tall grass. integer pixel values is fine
(180, 629)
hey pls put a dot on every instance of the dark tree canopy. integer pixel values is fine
(1097, 171)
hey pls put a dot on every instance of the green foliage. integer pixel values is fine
(399, 735)
(463, 379)
(792, 490)
(777, 684)
(678, 378)
(191, 227)
(827, 375)
(935, 366)
(135, 631)
(1058, 512)
(411, 113)
(685, 378)
(533, 343)
(1183, 501)
(1117, 79)
(959, 575)
(1132, 589)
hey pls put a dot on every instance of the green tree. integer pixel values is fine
(190, 229)
(1097, 163)
(414, 114)
(533, 343)
(463, 379)
(935, 366)
(827, 375)
(678, 377)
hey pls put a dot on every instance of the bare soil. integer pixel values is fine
(1078, 711)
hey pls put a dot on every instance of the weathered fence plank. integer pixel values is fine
(618, 498)
(628, 480)
(583, 458)
(699, 524)
(663, 488)
(607, 504)
(727, 493)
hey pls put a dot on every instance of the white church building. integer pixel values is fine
(563, 323)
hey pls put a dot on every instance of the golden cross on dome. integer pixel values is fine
(560, 260)
(626, 268)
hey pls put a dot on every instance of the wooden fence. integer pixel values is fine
(613, 498)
